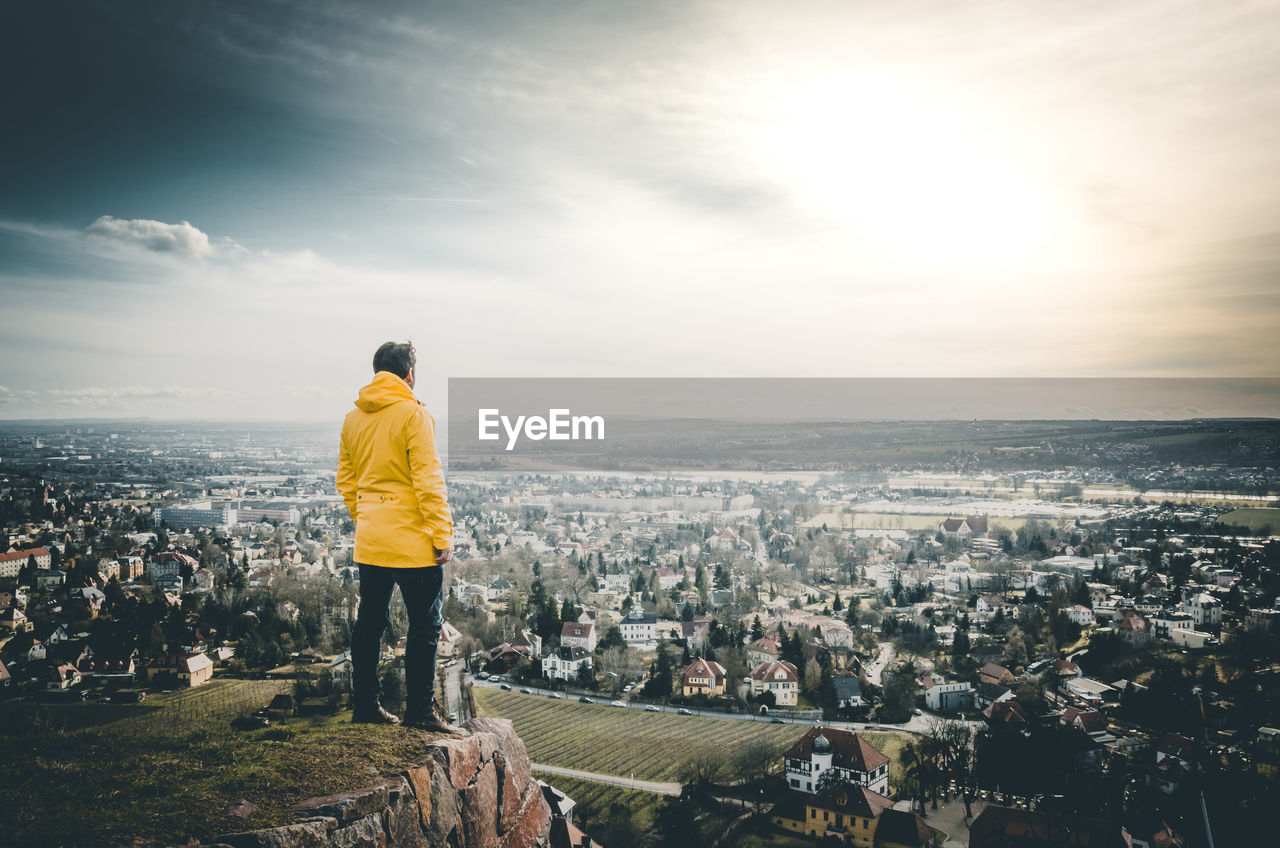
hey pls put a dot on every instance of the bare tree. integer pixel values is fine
(755, 760)
(701, 769)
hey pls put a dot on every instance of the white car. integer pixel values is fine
(617, 704)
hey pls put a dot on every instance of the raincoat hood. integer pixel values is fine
(385, 390)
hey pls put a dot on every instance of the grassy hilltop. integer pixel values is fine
(89, 774)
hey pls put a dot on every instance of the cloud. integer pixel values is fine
(180, 239)
(10, 396)
(106, 396)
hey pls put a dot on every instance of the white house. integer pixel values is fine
(638, 627)
(1205, 610)
(1080, 614)
(949, 697)
(844, 752)
(725, 540)
(564, 662)
(989, 605)
(340, 671)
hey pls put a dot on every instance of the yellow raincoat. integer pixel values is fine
(390, 476)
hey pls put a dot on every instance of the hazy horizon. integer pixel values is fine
(221, 209)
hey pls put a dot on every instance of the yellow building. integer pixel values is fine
(703, 677)
(853, 814)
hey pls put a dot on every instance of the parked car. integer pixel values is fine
(585, 700)
(652, 709)
(482, 675)
(507, 686)
(776, 721)
(617, 704)
(683, 711)
(525, 690)
(557, 696)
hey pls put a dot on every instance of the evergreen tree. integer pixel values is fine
(837, 604)
(723, 579)
(757, 629)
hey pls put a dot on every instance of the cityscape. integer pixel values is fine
(914, 654)
(639, 425)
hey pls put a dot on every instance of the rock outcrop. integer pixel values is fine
(466, 792)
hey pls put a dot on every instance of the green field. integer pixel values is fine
(608, 740)
(1258, 519)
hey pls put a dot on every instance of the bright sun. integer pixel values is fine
(911, 174)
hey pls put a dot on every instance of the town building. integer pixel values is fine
(843, 753)
(190, 669)
(638, 628)
(949, 697)
(849, 814)
(195, 515)
(703, 677)
(565, 662)
(1205, 610)
(963, 528)
(578, 634)
(14, 560)
(764, 649)
(778, 677)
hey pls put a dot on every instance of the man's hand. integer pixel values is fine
(443, 555)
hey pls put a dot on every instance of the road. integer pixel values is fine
(628, 782)
(880, 663)
(916, 724)
(453, 687)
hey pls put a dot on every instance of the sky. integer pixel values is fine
(219, 210)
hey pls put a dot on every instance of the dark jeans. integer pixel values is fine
(420, 589)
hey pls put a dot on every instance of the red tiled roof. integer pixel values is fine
(769, 671)
(1008, 826)
(575, 630)
(22, 555)
(704, 669)
(993, 670)
(977, 523)
(851, 750)
(1005, 712)
(766, 645)
(852, 800)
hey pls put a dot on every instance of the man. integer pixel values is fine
(390, 477)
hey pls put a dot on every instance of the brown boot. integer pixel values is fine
(434, 721)
(378, 715)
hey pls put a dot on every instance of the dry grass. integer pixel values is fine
(99, 786)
